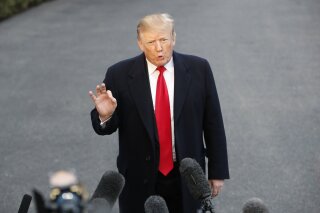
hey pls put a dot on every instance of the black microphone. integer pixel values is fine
(254, 205)
(155, 204)
(197, 183)
(39, 202)
(25, 203)
(107, 191)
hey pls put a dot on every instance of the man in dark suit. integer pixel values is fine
(165, 107)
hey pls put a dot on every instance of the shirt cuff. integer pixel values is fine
(103, 123)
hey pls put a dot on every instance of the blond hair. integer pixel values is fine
(157, 21)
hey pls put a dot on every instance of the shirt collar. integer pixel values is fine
(152, 68)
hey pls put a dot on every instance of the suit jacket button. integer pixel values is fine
(145, 181)
(148, 158)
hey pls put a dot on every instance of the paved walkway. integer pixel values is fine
(266, 61)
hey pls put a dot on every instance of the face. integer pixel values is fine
(157, 45)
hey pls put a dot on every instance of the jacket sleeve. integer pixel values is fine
(112, 124)
(214, 134)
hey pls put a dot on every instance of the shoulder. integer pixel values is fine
(189, 60)
(127, 63)
(192, 62)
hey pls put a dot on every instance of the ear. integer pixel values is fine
(174, 38)
(140, 45)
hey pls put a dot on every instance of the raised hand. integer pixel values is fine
(104, 101)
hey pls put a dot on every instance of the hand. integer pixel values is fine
(216, 186)
(104, 101)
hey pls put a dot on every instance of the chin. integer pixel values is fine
(162, 62)
(159, 63)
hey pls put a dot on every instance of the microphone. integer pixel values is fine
(254, 205)
(197, 183)
(107, 191)
(155, 204)
(25, 203)
(39, 202)
(99, 205)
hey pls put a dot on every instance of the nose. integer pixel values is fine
(158, 46)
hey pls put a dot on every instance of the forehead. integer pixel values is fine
(156, 33)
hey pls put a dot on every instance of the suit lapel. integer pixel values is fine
(141, 93)
(181, 84)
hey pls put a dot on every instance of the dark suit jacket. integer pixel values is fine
(197, 116)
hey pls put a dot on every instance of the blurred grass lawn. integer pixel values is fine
(11, 7)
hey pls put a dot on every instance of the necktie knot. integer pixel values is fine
(161, 69)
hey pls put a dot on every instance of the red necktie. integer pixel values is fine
(163, 119)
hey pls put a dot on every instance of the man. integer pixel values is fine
(163, 104)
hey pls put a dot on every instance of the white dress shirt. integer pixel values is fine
(169, 78)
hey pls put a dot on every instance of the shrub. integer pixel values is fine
(11, 7)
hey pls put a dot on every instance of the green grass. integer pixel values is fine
(11, 7)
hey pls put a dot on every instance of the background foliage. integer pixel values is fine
(10, 7)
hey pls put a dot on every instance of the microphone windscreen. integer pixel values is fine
(155, 204)
(254, 205)
(109, 187)
(195, 179)
(25, 203)
(99, 205)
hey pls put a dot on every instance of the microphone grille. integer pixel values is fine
(110, 186)
(155, 204)
(255, 205)
(195, 178)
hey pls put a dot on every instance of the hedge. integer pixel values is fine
(11, 7)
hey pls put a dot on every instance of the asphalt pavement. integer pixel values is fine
(265, 57)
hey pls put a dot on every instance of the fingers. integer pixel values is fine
(103, 88)
(109, 93)
(93, 97)
(100, 89)
(215, 191)
(216, 186)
